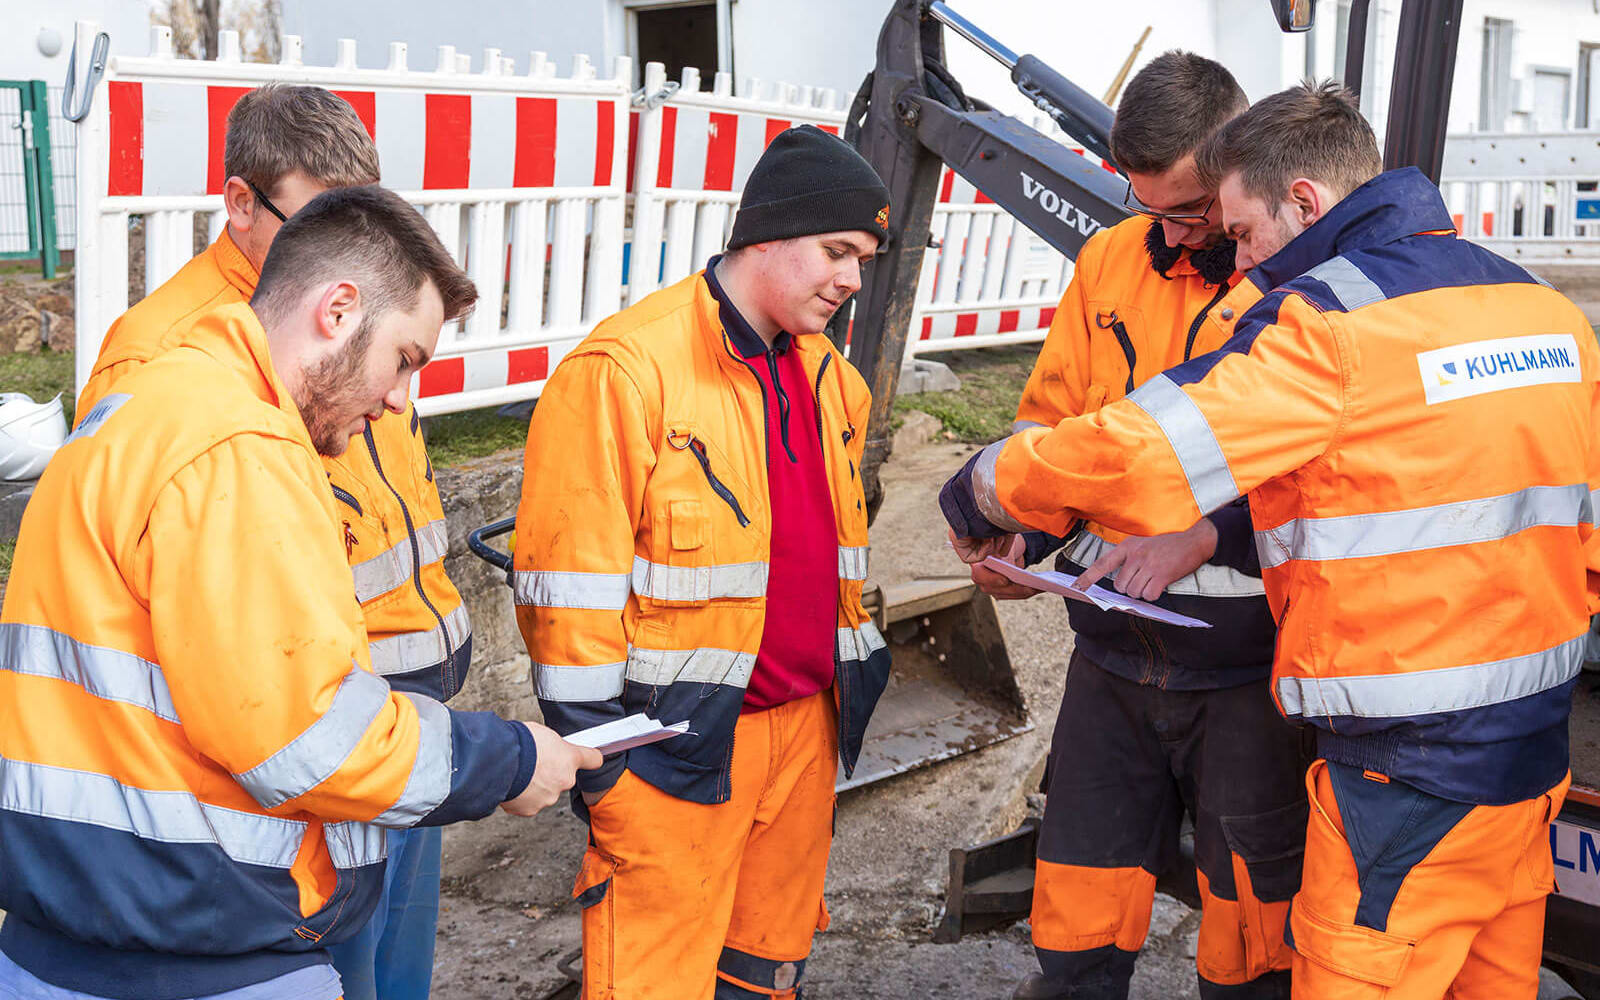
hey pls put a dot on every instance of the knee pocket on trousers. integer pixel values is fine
(594, 878)
(1355, 952)
(1272, 846)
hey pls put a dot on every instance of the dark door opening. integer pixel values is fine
(677, 37)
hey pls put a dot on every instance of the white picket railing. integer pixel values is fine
(528, 179)
(1526, 196)
(522, 176)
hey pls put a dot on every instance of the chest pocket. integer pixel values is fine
(704, 536)
(372, 534)
(1113, 352)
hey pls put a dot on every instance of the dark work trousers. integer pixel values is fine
(1127, 761)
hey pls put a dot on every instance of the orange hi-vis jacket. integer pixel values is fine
(393, 522)
(1417, 424)
(643, 535)
(1122, 322)
(196, 760)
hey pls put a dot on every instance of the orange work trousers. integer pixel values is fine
(686, 901)
(1411, 897)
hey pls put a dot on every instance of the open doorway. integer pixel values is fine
(676, 35)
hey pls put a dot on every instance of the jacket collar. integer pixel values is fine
(235, 266)
(1393, 205)
(741, 334)
(233, 337)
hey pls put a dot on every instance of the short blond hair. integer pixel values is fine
(278, 129)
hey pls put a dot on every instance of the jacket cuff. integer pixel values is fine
(528, 760)
(958, 502)
(1040, 545)
(600, 780)
(1236, 539)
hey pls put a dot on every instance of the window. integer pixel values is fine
(1494, 95)
(1588, 115)
(676, 36)
(1552, 98)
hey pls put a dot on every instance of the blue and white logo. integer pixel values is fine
(1504, 363)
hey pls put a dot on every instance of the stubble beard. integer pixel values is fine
(331, 387)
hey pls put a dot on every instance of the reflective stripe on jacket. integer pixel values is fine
(1415, 420)
(1119, 324)
(395, 538)
(642, 537)
(189, 726)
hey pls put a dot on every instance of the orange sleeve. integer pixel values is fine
(1059, 383)
(1184, 443)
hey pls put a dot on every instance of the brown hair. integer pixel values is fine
(1311, 130)
(1169, 109)
(368, 235)
(277, 129)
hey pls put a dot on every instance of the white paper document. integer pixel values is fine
(1101, 597)
(625, 734)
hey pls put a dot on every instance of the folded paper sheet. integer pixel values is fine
(1100, 597)
(625, 734)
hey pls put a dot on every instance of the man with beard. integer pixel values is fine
(197, 763)
(1159, 720)
(692, 542)
(284, 146)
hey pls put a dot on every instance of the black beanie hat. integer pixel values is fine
(809, 182)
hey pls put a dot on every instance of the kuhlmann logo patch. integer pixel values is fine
(1491, 365)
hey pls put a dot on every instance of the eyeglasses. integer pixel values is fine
(266, 202)
(1134, 205)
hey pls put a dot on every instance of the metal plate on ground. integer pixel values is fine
(951, 689)
(920, 720)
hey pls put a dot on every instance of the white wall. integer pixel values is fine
(561, 28)
(1544, 33)
(126, 21)
(824, 43)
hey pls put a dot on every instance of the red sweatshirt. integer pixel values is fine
(799, 640)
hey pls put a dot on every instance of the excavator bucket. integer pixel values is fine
(951, 690)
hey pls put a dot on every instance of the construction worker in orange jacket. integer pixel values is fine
(1417, 424)
(197, 763)
(691, 543)
(1158, 720)
(284, 146)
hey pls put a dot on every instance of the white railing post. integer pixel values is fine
(644, 256)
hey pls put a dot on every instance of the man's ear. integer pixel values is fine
(240, 202)
(1307, 201)
(338, 310)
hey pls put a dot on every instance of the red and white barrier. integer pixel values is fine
(526, 178)
(521, 175)
(692, 153)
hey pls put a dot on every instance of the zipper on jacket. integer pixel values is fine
(1194, 328)
(846, 435)
(416, 557)
(347, 497)
(817, 398)
(697, 448)
(1127, 349)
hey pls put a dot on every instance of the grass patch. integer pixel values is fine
(7, 550)
(39, 375)
(991, 383)
(454, 438)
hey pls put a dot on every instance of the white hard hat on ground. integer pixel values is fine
(29, 434)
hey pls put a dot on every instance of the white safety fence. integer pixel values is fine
(521, 175)
(561, 202)
(1531, 196)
